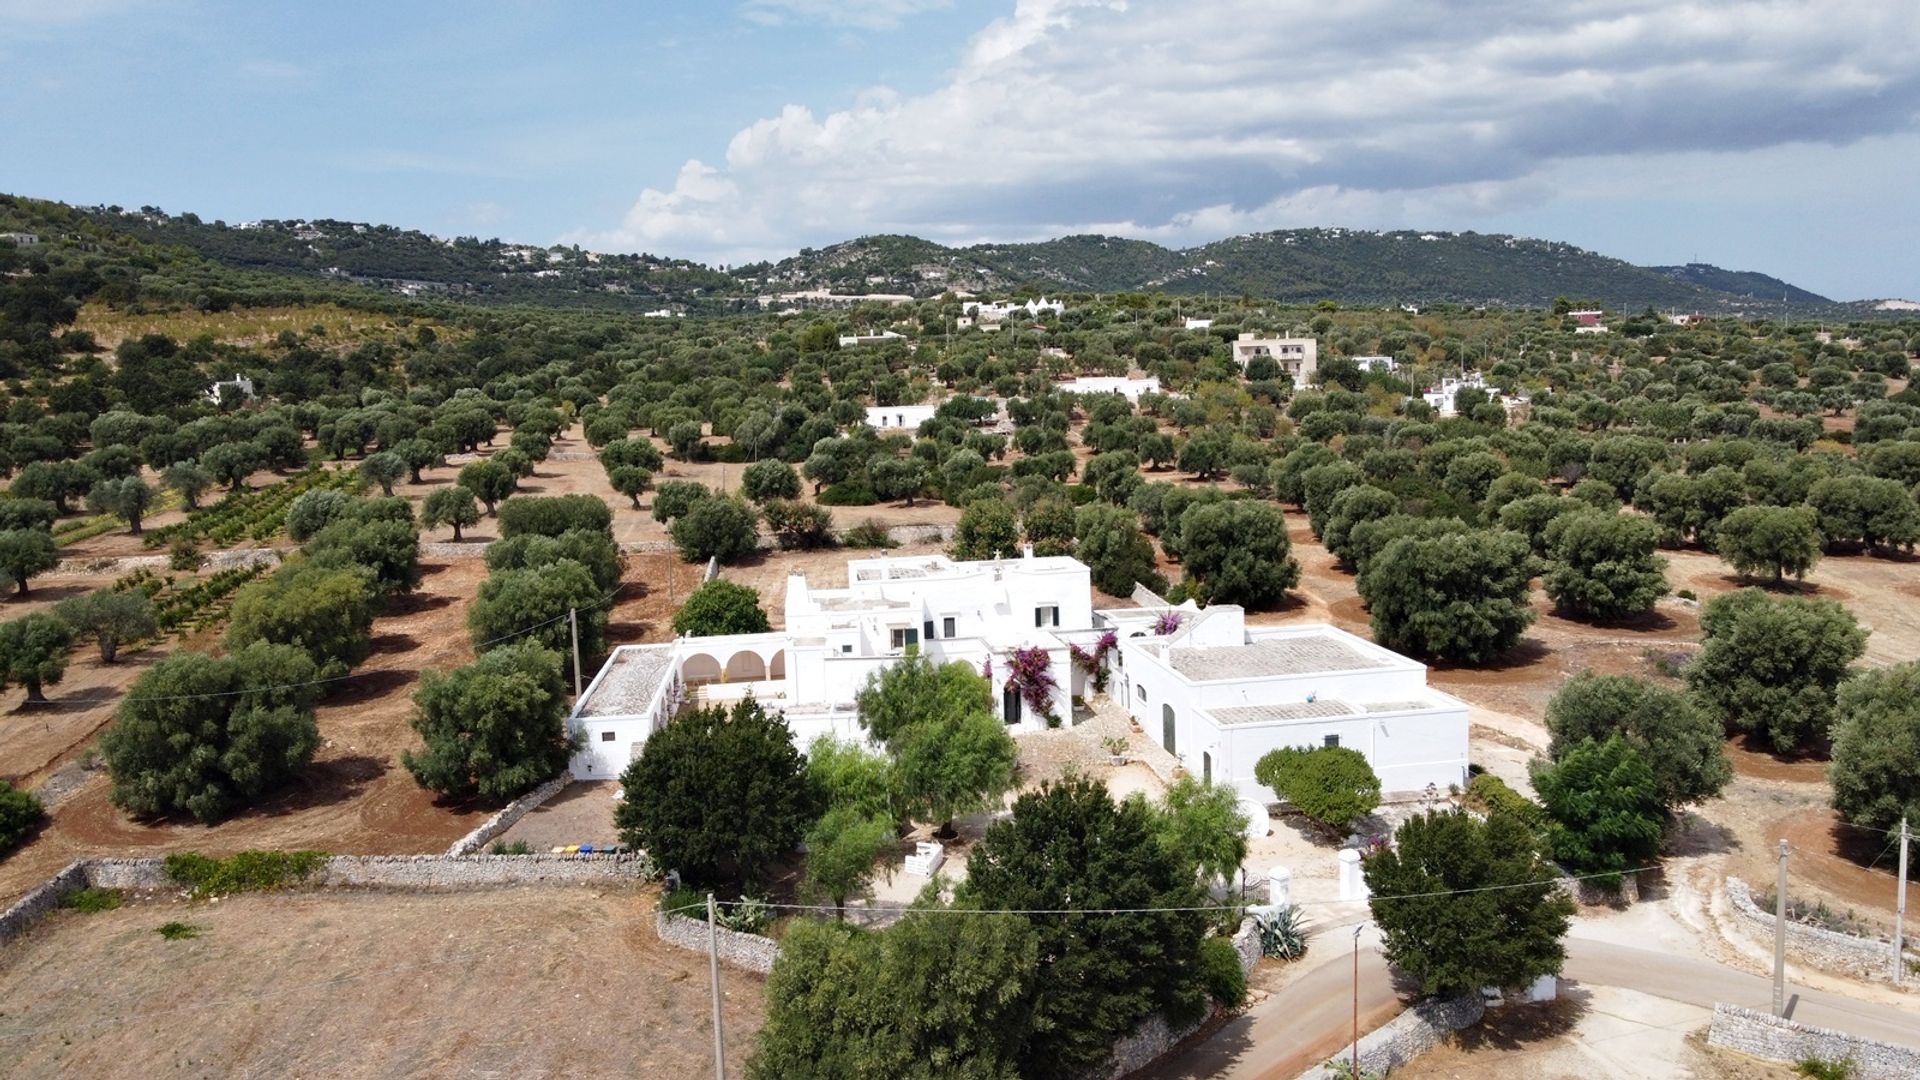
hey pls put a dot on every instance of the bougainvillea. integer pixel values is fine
(1094, 663)
(1167, 622)
(1030, 673)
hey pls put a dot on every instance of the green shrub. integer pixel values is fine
(1221, 974)
(517, 847)
(1281, 935)
(248, 871)
(92, 901)
(20, 814)
(1822, 1069)
(177, 931)
(1488, 793)
(868, 534)
(856, 492)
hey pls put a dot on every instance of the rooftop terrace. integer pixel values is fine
(1303, 655)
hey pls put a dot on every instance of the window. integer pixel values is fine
(606, 736)
(905, 637)
(1141, 691)
(947, 627)
(926, 631)
(1330, 741)
(845, 649)
(1048, 615)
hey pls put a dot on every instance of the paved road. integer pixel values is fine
(1310, 1019)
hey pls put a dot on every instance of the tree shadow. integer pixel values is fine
(1650, 621)
(394, 643)
(1517, 1026)
(1529, 652)
(417, 603)
(1695, 835)
(82, 700)
(45, 593)
(322, 783)
(365, 686)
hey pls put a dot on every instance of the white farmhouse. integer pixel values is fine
(981, 613)
(240, 386)
(20, 239)
(899, 417)
(1128, 388)
(1199, 324)
(989, 312)
(1298, 357)
(848, 341)
(1375, 363)
(1218, 695)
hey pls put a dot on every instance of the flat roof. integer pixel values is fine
(1302, 655)
(625, 687)
(1321, 709)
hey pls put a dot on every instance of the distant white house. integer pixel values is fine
(980, 613)
(20, 239)
(1375, 363)
(239, 386)
(1298, 357)
(899, 417)
(663, 313)
(1128, 388)
(1218, 695)
(848, 341)
(988, 312)
(1199, 324)
(1588, 322)
(1442, 395)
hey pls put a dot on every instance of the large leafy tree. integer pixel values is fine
(33, 653)
(535, 603)
(1460, 596)
(1604, 806)
(1602, 566)
(453, 506)
(126, 497)
(24, 553)
(769, 479)
(20, 814)
(1464, 903)
(1681, 744)
(553, 515)
(721, 527)
(1776, 540)
(720, 795)
(950, 755)
(1203, 824)
(988, 529)
(1237, 552)
(590, 548)
(1773, 666)
(721, 607)
(1069, 846)
(1119, 555)
(325, 611)
(494, 728)
(391, 549)
(1876, 748)
(207, 735)
(935, 995)
(489, 481)
(111, 617)
(842, 849)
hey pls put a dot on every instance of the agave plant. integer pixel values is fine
(1281, 935)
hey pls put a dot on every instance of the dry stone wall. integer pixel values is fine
(43, 899)
(1769, 1037)
(509, 814)
(749, 951)
(1846, 954)
(1406, 1037)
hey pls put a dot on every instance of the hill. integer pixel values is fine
(1299, 265)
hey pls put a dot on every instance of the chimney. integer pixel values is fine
(1026, 551)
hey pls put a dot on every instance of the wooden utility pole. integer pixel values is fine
(573, 623)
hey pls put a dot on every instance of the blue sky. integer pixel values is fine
(1776, 135)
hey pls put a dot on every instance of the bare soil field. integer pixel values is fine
(520, 982)
(355, 799)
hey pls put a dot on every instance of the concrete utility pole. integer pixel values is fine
(1356, 1000)
(1900, 910)
(573, 622)
(713, 975)
(1780, 936)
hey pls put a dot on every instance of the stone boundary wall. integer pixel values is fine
(1406, 1037)
(1846, 954)
(749, 951)
(44, 898)
(344, 871)
(1760, 1035)
(504, 820)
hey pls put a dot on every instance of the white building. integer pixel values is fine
(1199, 324)
(20, 239)
(1375, 363)
(1128, 388)
(241, 386)
(994, 312)
(1441, 396)
(899, 417)
(1219, 695)
(1298, 357)
(848, 341)
(979, 613)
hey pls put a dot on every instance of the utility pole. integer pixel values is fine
(713, 975)
(573, 622)
(1356, 1000)
(1780, 936)
(1900, 909)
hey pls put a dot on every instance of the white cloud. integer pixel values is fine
(1184, 121)
(858, 14)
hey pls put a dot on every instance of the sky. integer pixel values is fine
(1773, 135)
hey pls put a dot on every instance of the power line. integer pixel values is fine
(364, 674)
